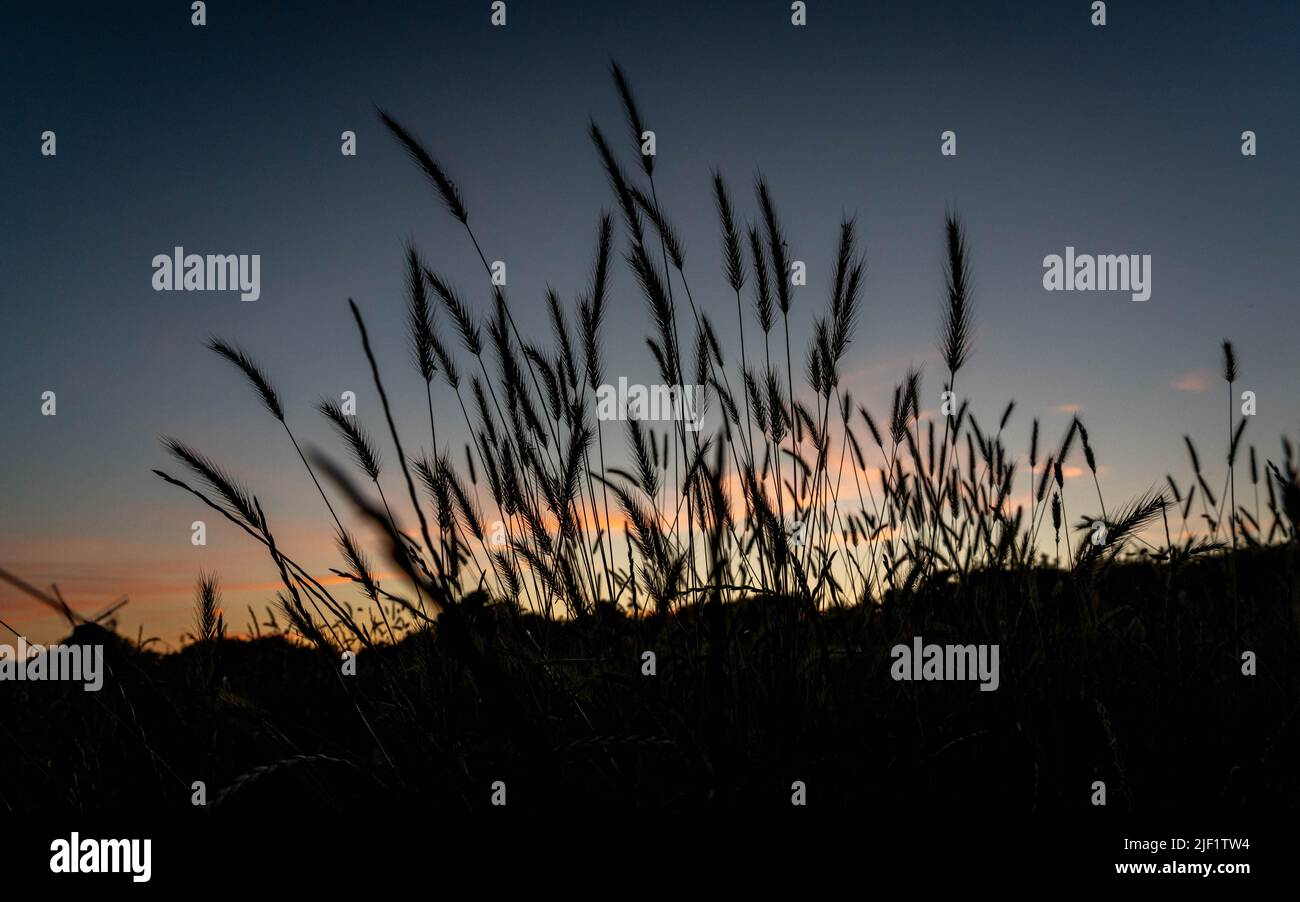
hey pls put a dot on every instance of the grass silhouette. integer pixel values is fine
(769, 564)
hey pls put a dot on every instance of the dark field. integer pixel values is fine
(1133, 678)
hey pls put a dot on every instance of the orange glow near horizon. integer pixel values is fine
(93, 572)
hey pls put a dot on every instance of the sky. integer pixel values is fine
(225, 139)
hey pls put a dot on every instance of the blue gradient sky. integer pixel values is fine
(225, 139)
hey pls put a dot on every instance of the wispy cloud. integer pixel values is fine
(1195, 381)
(882, 371)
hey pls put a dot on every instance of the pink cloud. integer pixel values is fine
(1192, 381)
(1068, 408)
